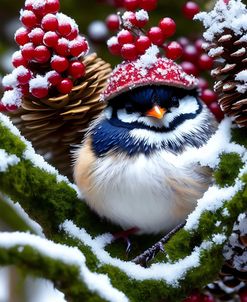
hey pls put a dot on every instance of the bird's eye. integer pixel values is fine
(175, 102)
(129, 108)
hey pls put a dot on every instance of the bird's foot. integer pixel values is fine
(124, 235)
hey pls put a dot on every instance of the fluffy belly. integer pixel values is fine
(149, 193)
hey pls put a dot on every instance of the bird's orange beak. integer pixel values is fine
(156, 112)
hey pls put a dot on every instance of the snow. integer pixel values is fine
(12, 97)
(36, 159)
(38, 82)
(9, 80)
(231, 16)
(97, 283)
(36, 4)
(7, 160)
(112, 41)
(126, 17)
(97, 30)
(213, 52)
(4, 285)
(35, 32)
(142, 15)
(242, 77)
(34, 226)
(149, 58)
(171, 273)
(64, 19)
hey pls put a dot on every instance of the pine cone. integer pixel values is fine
(230, 52)
(233, 275)
(55, 124)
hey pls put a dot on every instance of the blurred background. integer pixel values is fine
(15, 286)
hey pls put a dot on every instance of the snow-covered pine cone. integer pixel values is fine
(233, 274)
(230, 53)
(54, 124)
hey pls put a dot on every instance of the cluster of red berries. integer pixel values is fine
(132, 41)
(48, 40)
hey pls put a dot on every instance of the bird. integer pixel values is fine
(129, 164)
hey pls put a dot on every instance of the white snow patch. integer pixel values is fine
(7, 160)
(148, 59)
(168, 272)
(12, 97)
(97, 30)
(38, 82)
(98, 283)
(36, 159)
(142, 15)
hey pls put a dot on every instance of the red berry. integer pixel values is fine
(129, 52)
(198, 44)
(190, 9)
(49, 22)
(28, 18)
(168, 26)
(189, 68)
(42, 54)
(76, 69)
(52, 6)
(243, 295)
(29, 4)
(54, 78)
(208, 96)
(22, 36)
(156, 35)
(226, 2)
(50, 39)
(39, 92)
(205, 62)
(118, 3)
(114, 47)
(27, 51)
(64, 28)
(11, 107)
(78, 47)
(207, 298)
(59, 64)
(148, 4)
(62, 47)
(36, 36)
(203, 84)
(217, 112)
(65, 86)
(125, 37)
(112, 22)
(25, 89)
(23, 75)
(174, 50)
(142, 44)
(140, 18)
(18, 60)
(190, 54)
(196, 297)
(131, 5)
(183, 41)
(73, 35)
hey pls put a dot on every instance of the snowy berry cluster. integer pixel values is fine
(132, 40)
(50, 51)
(195, 61)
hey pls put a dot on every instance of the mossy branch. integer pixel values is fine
(50, 201)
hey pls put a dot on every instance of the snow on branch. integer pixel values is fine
(34, 252)
(52, 201)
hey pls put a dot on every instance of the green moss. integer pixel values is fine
(239, 136)
(228, 169)
(10, 143)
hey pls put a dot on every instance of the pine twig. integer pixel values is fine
(150, 253)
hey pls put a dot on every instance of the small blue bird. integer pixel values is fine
(129, 165)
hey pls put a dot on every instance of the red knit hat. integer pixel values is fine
(132, 74)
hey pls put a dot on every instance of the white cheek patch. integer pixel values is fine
(188, 104)
(126, 117)
(108, 112)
